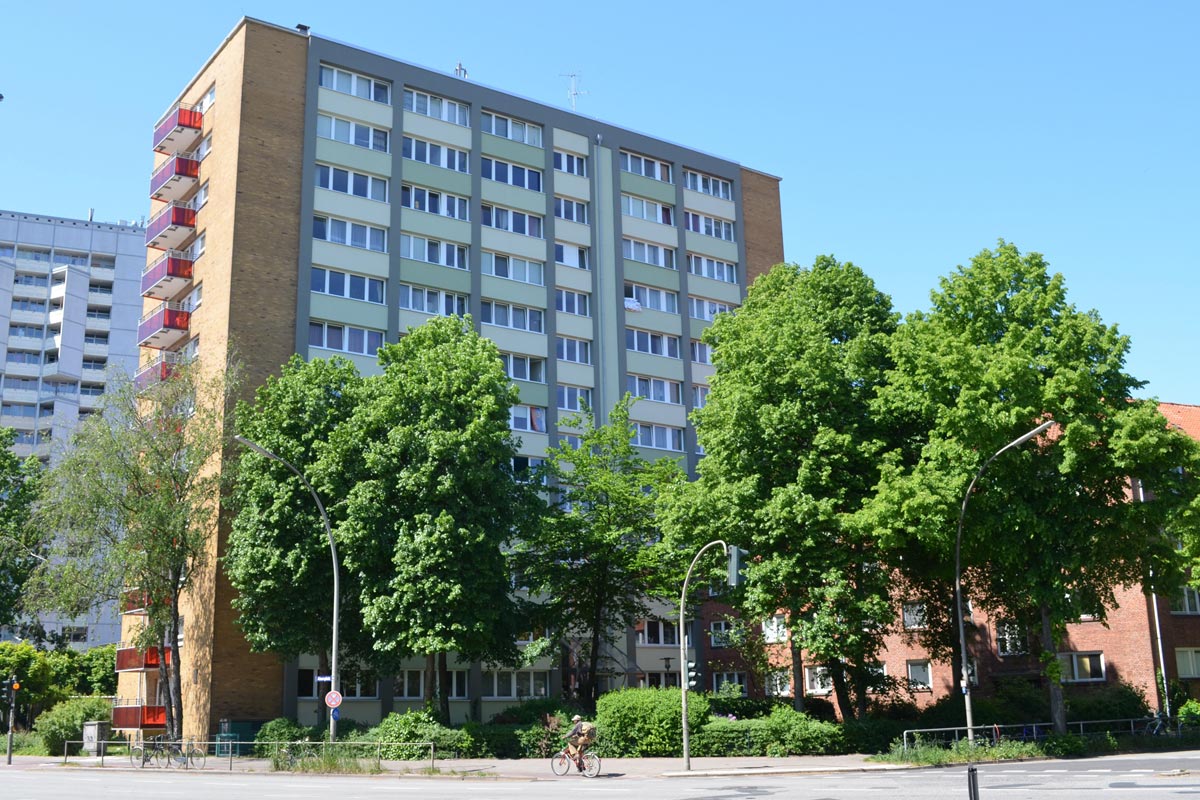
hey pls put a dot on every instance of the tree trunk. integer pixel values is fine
(837, 673)
(797, 676)
(163, 692)
(1058, 707)
(860, 695)
(174, 687)
(430, 681)
(443, 686)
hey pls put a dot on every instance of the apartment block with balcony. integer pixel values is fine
(311, 197)
(69, 305)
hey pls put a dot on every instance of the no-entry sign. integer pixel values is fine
(333, 699)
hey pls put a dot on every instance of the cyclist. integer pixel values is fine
(578, 739)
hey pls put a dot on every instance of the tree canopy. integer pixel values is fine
(20, 544)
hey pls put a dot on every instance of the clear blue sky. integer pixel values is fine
(909, 136)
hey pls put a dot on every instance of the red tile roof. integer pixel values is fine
(1186, 418)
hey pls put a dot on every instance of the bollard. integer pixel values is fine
(972, 783)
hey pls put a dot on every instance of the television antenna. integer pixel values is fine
(573, 91)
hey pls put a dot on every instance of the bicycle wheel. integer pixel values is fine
(591, 765)
(137, 757)
(560, 762)
(196, 758)
(161, 757)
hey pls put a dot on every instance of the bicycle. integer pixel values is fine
(588, 763)
(1162, 725)
(167, 754)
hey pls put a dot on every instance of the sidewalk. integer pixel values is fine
(523, 769)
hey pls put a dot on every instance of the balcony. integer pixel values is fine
(171, 227)
(157, 370)
(138, 715)
(164, 327)
(176, 177)
(167, 276)
(178, 131)
(134, 659)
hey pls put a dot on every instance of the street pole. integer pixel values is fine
(962, 636)
(333, 671)
(12, 712)
(683, 662)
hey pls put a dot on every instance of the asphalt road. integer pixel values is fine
(1147, 777)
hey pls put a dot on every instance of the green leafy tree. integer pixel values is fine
(94, 671)
(278, 555)
(131, 505)
(20, 545)
(1050, 532)
(596, 559)
(424, 467)
(794, 444)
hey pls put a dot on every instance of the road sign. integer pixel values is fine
(333, 699)
(336, 713)
(324, 679)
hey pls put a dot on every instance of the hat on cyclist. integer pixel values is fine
(576, 718)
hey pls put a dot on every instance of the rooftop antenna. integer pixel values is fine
(574, 90)
(460, 71)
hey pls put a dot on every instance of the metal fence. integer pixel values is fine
(1028, 732)
(232, 754)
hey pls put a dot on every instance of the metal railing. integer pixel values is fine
(227, 753)
(1025, 732)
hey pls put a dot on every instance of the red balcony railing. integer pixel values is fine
(134, 659)
(167, 276)
(164, 326)
(171, 227)
(138, 715)
(174, 178)
(157, 370)
(179, 130)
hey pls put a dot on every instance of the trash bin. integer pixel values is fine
(226, 744)
(95, 737)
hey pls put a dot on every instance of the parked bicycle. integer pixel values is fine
(588, 763)
(165, 753)
(1162, 725)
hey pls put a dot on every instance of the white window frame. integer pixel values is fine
(524, 417)
(360, 86)
(424, 103)
(702, 308)
(347, 332)
(775, 629)
(418, 198)
(532, 365)
(649, 210)
(338, 129)
(705, 225)
(510, 173)
(639, 296)
(347, 280)
(1187, 662)
(712, 268)
(654, 390)
(509, 315)
(401, 683)
(1012, 639)
(913, 616)
(567, 301)
(1070, 663)
(510, 128)
(565, 344)
(778, 683)
(919, 665)
(511, 220)
(375, 239)
(664, 630)
(655, 343)
(329, 181)
(570, 163)
(571, 210)
(513, 268)
(658, 437)
(700, 392)
(447, 304)
(573, 398)
(708, 184)
(719, 679)
(701, 352)
(572, 255)
(656, 255)
(431, 251)
(435, 154)
(817, 681)
(646, 166)
(1186, 603)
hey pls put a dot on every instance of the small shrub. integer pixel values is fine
(636, 723)
(802, 735)
(397, 731)
(535, 711)
(282, 729)
(873, 734)
(730, 737)
(64, 722)
(820, 708)
(742, 707)
(1065, 745)
(1189, 713)
(1115, 701)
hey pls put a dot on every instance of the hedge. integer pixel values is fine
(636, 723)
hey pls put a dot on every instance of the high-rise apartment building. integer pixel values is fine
(69, 306)
(311, 197)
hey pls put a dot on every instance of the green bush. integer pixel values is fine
(873, 734)
(1065, 745)
(1111, 701)
(536, 711)
(802, 735)
(282, 730)
(646, 722)
(743, 707)
(820, 708)
(1189, 713)
(414, 727)
(64, 722)
(729, 737)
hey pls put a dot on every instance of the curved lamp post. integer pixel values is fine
(962, 637)
(333, 671)
(683, 662)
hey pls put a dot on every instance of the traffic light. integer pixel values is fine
(11, 686)
(737, 566)
(693, 676)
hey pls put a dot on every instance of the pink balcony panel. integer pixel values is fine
(178, 131)
(170, 274)
(164, 327)
(174, 178)
(133, 659)
(171, 227)
(157, 370)
(139, 717)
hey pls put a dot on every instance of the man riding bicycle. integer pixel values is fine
(579, 737)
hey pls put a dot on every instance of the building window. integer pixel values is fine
(409, 685)
(344, 284)
(817, 680)
(360, 684)
(1187, 661)
(437, 155)
(458, 684)
(658, 632)
(571, 255)
(778, 683)
(571, 163)
(205, 148)
(774, 630)
(355, 133)
(571, 210)
(659, 390)
(920, 676)
(514, 221)
(738, 679)
(340, 231)
(512, 174)
(524, 368)
(306, 683)
(506, 684)
(913, 615)
(207, 101)
(431, 251)
(647, 253)
(707, 184)
(708, 226)
(658, 437)
(1186, 602)
(643, 165)
(660, 680)
(1082, 667)
(700, 308)
(570, 302)
(656, 344)
(701, 352)
(574, 398)
(1011, 639)
(201, 198)
(339, 80)
(527, 418)
(641, 208)
(345, 338)
(432, 301)
(513, 268)
(358, 184)
(198, 246)
(699, 395)
(638, 297)
(510, 316)
(578, 351)
(508, 128)
(430, 105)
(431, 202)
(526, 467)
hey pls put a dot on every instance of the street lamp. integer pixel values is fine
(333, 671)
(962, 636)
